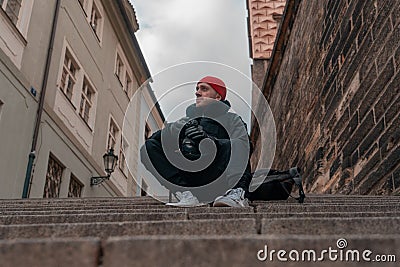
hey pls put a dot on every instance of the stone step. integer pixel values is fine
(152, 204)
(330, 201)
(330, 226)
(160, 205)
(80, 200)
(349, 196)
(203, 250)
(149, 200)
(247, 251)
(138, 209)
(89, 211)
(85, 205)
(327, 208)
(270, 207)
(202, 216)
(278, 226)
(262, 208)
(160, 216)
(70, 204)
(88, 207)
(107, 229)
(340, 199)
(258, 209)
(87, 218)
(50, 252)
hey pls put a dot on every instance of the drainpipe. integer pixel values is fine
(32, 154)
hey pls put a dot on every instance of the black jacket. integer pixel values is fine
(230, 135)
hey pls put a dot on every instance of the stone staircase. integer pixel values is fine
(141, 231)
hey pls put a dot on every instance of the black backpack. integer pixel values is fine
(276, 185)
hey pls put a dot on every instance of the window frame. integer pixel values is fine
(4, 5)
(119, 68)
(81, 77)
(128, 85)
(87, 101)
(124, 149)
(98, 27)
(74, 179)
(115, 138)
(123, 72)
(62, 167)
(63, 86)
(92, 9)
(147, 131)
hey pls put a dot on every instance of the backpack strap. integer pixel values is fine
(295, 173)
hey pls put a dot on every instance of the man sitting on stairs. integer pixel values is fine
(205, 154)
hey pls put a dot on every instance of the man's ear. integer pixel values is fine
(218, 97)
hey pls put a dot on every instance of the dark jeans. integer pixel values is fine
(158, 164)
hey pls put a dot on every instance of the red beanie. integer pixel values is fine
(217, 84)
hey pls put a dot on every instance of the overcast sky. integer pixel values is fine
(174, 32)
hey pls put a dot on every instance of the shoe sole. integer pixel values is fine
(185, 206)
(226, 204)
(219, 204)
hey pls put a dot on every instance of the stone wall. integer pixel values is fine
(336, 98)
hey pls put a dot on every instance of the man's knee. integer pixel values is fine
(149, 146)
(146, 149)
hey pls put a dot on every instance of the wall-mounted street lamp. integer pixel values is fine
(110, 161)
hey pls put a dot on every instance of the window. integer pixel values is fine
(76, 99)
(128, 85)
(86, 100)
(122, 155)
(93, 13)
(112, 134)
(147, 132)
(123, 72)
(12, 8)
(68, 76)
(144, 187)
(1, 104)
(53, 178)
(75, 187)
(95, 21)
(119, 68)
(15, 17)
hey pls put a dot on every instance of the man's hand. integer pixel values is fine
(196, 133)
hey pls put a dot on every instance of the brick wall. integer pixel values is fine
(336, 98)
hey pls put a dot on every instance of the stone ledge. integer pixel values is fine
(233, 251)
(50, 252)
(334, 226)
(107, 229)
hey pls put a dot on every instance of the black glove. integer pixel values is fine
(196, 133)
(190, 149)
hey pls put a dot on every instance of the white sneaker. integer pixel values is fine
(186, 199)
(232, 198)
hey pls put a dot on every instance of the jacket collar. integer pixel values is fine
(212, 110)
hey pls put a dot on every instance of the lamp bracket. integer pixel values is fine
(98, 180)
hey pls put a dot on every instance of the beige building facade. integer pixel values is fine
(94, 68)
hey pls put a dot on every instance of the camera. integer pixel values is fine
(189, 148)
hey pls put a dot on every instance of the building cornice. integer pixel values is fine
(278, 51)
